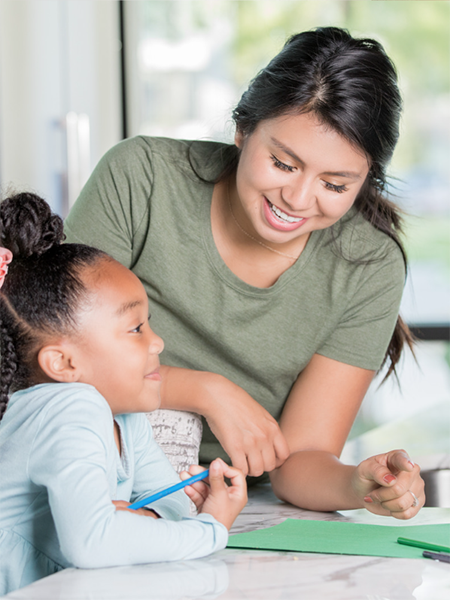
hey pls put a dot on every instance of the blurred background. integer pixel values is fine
(77, 76)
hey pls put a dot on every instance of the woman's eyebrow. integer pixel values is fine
(126, 306)
(291, 153)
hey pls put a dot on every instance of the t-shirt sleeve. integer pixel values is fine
(114, 203)
(367, 324)
(68, 458)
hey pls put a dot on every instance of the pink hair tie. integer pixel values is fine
(5, 258)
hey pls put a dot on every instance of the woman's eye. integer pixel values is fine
(281, 165)
(335, 188)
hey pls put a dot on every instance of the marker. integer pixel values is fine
(425, 545)
(169, 490)
(442, 556)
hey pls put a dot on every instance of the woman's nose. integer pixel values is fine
(299, 196)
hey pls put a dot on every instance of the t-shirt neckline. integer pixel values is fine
(225, 272)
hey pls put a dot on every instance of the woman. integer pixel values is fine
(274, 269)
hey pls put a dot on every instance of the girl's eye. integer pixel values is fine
(138, 329)
(281, 165)
(335, 188)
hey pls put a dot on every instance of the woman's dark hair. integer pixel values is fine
(43, 290)
(351, 86)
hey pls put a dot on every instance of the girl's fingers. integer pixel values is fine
(197, 497)
(237, 479)
(120, 504)
(217, 470)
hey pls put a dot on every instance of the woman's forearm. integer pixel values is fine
(315, 480)
(187, 389)
(246, 431)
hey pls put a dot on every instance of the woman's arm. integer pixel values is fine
(316, 421)
(247, 432)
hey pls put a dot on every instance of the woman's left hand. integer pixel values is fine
(390, 484)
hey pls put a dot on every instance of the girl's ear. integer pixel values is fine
(57, 362)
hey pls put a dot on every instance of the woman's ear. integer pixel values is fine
(239, 138)
(57, 362)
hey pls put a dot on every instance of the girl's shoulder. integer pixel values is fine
(54, 400)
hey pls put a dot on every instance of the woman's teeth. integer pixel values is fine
(283, 216)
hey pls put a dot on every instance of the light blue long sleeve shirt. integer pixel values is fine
(60, 469)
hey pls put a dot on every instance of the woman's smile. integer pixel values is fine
(294, 176)
(279, 219)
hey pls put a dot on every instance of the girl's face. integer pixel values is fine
(117, 352)
(296, 175)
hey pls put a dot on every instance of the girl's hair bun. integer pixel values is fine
(28, 227)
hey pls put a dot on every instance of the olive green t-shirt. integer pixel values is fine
(148, 205)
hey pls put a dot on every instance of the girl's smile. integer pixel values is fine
(118, 353)
(155, 375)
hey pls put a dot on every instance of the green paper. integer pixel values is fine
(337, 537)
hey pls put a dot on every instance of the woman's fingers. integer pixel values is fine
(407, 503)
(401, 489)
(385, 469)
(260, 456)
(240, 460)
(282, 451)
(399, 460)
(250, 436)
(390, 484)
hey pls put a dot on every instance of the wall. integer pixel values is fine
(56, 56)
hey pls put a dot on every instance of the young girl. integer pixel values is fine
(81, 359)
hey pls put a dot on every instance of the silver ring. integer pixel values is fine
(416, 499)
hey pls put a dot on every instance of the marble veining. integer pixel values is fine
(263, 575)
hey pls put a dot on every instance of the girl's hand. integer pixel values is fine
(246, 431)
(389, 485)
(122, 505)
(218, 499)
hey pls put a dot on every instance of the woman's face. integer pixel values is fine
(296, 175)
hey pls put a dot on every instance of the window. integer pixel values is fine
(188, 62)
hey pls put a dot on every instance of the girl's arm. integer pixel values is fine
(316, 421)
(152, 469)
(72, 459)
(247, 432)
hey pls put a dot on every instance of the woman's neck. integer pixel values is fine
(250, 259)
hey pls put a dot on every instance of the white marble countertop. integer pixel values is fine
(263, 575)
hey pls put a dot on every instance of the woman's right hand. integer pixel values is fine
(246, 431)
(224, 502)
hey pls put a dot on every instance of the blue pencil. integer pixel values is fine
(169, 490)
